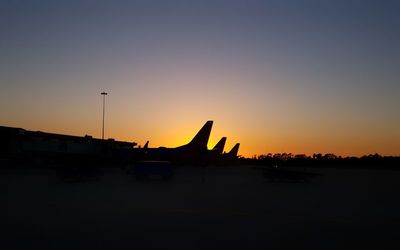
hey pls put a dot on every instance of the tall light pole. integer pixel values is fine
(104, 109)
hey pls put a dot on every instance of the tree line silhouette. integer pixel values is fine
(372, 161)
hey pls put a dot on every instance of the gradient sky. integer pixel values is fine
(276, 76)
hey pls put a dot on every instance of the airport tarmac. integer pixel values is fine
(201, 208)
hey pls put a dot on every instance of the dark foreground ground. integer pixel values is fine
(230, 208)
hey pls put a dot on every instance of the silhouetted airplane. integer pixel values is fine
(215, 155)
(194, 151)
(231, 155)
(219, 147)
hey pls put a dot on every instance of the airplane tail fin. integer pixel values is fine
(146, 146)
(234, 151)
(201, 138)
(219, 147)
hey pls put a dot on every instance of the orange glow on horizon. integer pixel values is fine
(174, 136)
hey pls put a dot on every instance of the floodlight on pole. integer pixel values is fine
(104, 109)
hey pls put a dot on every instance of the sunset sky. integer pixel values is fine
(277, 76)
